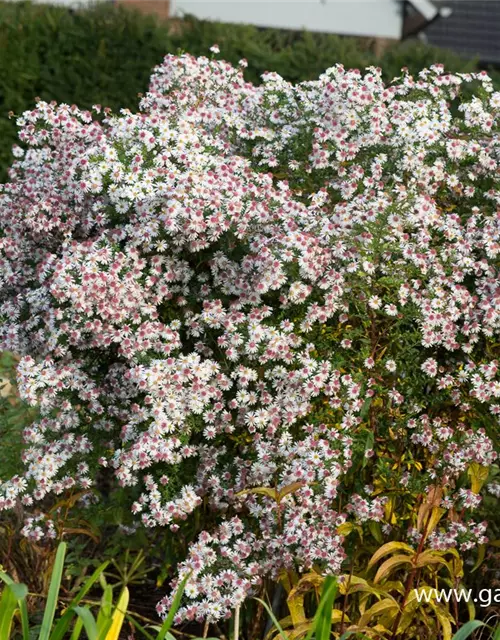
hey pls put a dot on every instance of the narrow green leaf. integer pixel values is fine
(8, 608)
(173, 609)
(20, 592)
(88, 620)
(89, 583)
(481, 554)
(6, 578)
(468, 629)
(25, 625)
(323, 618)
(77, 629)
(322, 621)
(64, 622)
(102, 631)
(139, 627)
(55, 585)
(106, 608)
(273, 618)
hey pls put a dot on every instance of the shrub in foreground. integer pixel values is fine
(284, 295)
(104, 54)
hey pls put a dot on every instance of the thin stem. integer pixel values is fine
(411, 578)
(344, 604)
(237, 622)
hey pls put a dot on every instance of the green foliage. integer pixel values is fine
(13, 603)
(55, 585)
(319, 626)
(104, 55)
(77, 615)
(468, 629)
(14, 415)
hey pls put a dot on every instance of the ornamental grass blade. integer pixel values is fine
(8, 608)
(165, 627)
(323, 617)
(322, 621)
(88, 621)
(55, 585)
(20, 591)
(118, 615)
(139, 627)
(77, 629)
(274, 620)
(88, 584)
(64, 622)
(169, 636)
(105, 610)
(468, 629)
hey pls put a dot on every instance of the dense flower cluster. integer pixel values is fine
(259, 285)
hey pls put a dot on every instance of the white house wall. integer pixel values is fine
(374, 18)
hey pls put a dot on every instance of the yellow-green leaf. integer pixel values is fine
(118, 616)
(433, 500)
(387, 548)
(481, 554)
(348, 527)
(265, 491)
(436, 515)
(386, 606)
(376, 531)
(338, 615)
(429, 557)
(295, 602)
(445, 619)
(409, 617)
(390, 564)
(291, 488)
(478, 475)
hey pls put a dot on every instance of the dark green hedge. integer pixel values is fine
(105, 54)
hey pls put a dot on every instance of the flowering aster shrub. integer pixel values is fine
(288, 294)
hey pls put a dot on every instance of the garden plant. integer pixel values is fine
(103, 53)
(272, 310)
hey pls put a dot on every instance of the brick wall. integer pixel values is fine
(161, 8)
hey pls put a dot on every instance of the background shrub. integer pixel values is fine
(104, 55)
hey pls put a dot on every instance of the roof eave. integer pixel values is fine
(429, 13)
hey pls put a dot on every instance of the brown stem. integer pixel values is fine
(344, 604)
(371, 417)
(205, 629)
(236, 623)
(455, 603)
(411, 578)
(219, 631)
